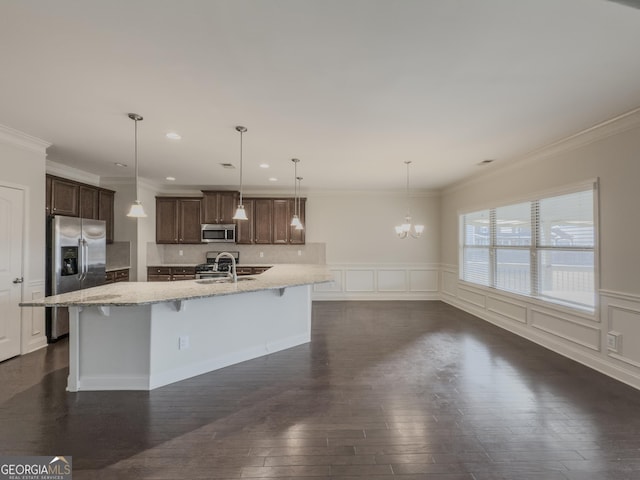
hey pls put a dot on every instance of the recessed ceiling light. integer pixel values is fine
(173, 136)
(273, 179)
(171, 179)
(118, 164)
(264, 165)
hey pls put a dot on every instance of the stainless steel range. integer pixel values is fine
(212, 270)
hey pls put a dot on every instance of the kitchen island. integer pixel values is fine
(143, 335)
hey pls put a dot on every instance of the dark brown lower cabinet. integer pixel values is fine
(169, 274)
(114, 276)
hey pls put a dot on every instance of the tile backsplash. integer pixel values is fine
(118, 255)
(249, 254)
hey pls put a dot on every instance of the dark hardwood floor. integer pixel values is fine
(402, 390)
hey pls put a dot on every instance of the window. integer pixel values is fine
(544, 248)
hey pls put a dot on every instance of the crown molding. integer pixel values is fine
(65, 171)
(23, 140)
(608, 128)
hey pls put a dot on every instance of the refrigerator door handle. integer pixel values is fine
(85, 259)
(80, 260)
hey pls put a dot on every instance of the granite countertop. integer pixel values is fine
(145, 293)
(111, 268)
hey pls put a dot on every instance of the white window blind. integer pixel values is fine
(543, 248)
(477, 239)
(566, 242)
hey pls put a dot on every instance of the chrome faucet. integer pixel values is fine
(234, 274)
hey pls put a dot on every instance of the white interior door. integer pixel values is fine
(11, 222)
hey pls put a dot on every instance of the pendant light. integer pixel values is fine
(299, 225)
(240, 213)
(407, 229)
(295, 221)
(136, 210)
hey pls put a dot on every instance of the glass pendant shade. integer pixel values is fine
(136, 210)
(295, 221)
(240, 213)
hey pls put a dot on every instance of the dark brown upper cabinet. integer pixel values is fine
(64, 197)
(75, 199)
(219, 207)
(178, 220)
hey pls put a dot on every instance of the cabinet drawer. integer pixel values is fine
(122, 276)
(258, 270)
(159, 278)
(183, 277)
(109, 277)
(183, 270)
(159, 271)
(244, 270)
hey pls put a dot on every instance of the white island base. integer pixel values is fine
(143, 347)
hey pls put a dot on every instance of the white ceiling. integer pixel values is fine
(351, 87)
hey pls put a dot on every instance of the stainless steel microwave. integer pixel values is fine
(218, 233)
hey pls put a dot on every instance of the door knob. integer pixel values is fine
(18, 280)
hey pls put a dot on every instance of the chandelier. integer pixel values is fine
(407, 228)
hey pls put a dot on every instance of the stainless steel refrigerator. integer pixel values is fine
(76, 259)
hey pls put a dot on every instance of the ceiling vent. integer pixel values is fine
(227, 165)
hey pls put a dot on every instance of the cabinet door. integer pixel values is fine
(88, 202)
(245, 228)
(263, 224)
(296, 237)
(166, 220)
(281, 221)
(210, 207)
(106, 200)
(64, 197)
(227, 204)
(47, 200)
(189, 215)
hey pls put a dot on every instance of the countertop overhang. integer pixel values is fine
(144, 293)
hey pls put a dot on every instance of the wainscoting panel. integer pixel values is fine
(360, 280)
(508, 309)
(392, 280)
(471, 296)
(34, 335)
(381, 282)
(423, 281)
(576, 334)
(621, 314)
(449, 281)
(566, 328)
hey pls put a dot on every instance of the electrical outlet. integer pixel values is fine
(180, 252)
(261, 254)
(614, 341)
(299, 253)
(183, 342)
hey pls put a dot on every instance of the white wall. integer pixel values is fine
(610, 152)
(22, 165)
(366, 257)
